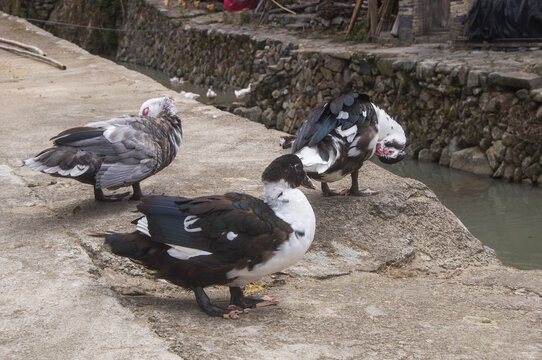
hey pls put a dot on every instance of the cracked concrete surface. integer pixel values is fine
(392, 276)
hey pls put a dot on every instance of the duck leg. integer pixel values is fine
(354, 188)
(327, 191)
(100, 196)
(245, 302)
(137, 194)
(205, 304)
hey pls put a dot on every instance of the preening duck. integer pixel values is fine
(337, 137)
(115, 153)
(230, 239)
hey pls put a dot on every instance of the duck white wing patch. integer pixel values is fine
(185, 253)
(350, 132)
(312, 161)
(189, 221)
(231, 235)
(342, 115)
(143, 226)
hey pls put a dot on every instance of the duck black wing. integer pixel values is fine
(345, 111)
(232, 227)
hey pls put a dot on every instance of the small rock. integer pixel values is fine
(445, 157)
(496, 133)
(473, 79)
(532, 170)
(334, 64)
(386, 66)
(425, 155)
(374, 311)
(326, 73)
(425, 69)
(495, 154)
(471, 159)
(499, 172)
(508, 173)
(537, 95)
(522, 94)
(405, 65)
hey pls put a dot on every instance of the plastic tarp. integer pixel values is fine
(236, 5)
(505, 19)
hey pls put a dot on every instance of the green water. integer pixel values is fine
(506, 217)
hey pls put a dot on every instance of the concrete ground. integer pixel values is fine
(392, 276)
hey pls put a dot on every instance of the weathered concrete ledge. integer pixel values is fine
(391, 276)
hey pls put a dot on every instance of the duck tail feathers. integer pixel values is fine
(64, 161)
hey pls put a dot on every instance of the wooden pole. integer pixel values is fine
(17, 7)
(373, 14)
(354, 16)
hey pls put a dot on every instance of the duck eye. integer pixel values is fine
(145, 111)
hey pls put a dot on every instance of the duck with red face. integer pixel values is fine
(339, 136)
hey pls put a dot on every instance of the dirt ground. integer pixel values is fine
(392, 276)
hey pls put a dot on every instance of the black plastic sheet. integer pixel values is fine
(505, 19)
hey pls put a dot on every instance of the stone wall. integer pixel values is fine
(460, 117)
(92, 16)
(471, 119)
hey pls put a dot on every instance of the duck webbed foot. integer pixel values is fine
(138, 194)
(326, 191)
(100, 196)
(239, 299)
(354, 189)
(205, 304)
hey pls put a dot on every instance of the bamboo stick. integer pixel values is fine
(35, 56)
(23, 45)
(283, 8)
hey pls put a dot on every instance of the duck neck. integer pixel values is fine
(274, 193)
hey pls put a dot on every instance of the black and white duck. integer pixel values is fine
(117, 152)
(230, 239)
(337, 137)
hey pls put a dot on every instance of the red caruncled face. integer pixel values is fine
(383, 150)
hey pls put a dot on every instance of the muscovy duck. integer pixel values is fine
(230, 239)
(337, 137)
(115, 153)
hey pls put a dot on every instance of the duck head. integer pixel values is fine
(288, 169)
(153, 107)
(390, 147)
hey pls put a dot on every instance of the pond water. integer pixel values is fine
(506, 217)
(223, 98)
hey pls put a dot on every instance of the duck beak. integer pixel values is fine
(308, 183)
